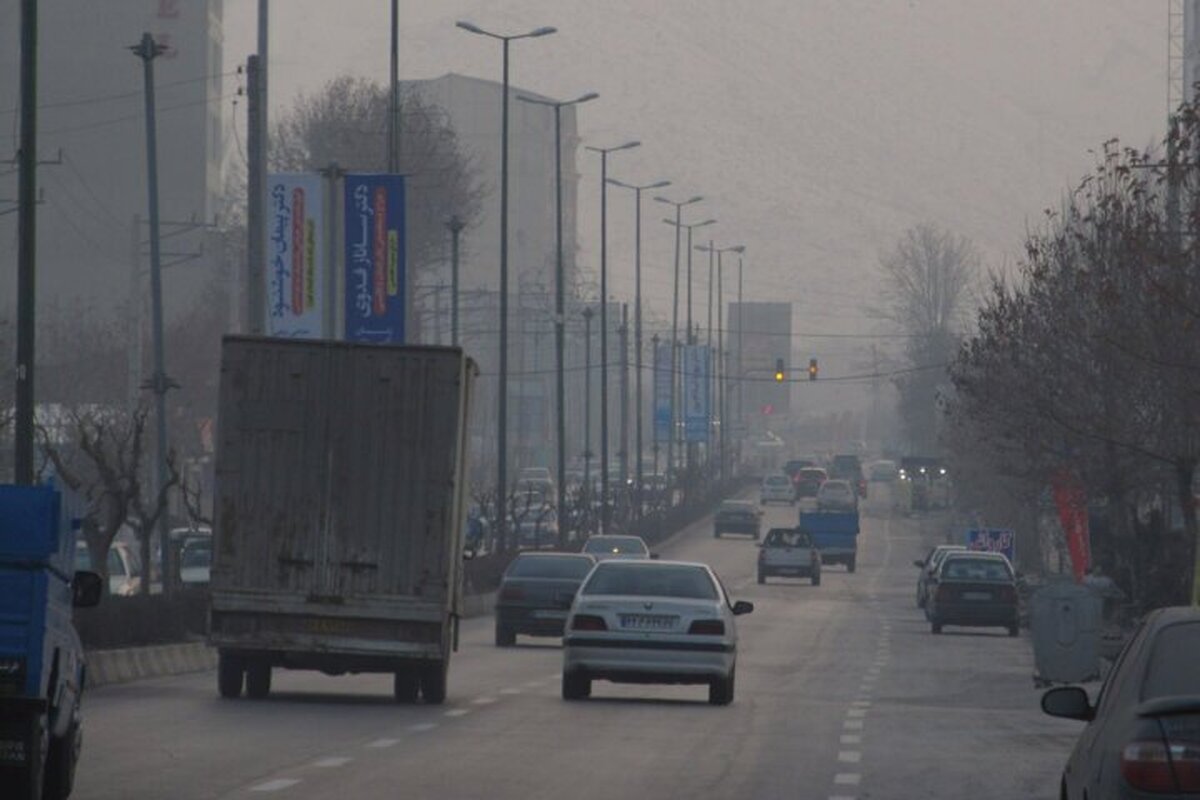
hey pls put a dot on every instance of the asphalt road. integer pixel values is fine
(842, 693)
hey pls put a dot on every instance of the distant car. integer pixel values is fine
(1142, 739)
(928, 567)
(796, 464)
(974, 589)
(849, 468)
(195, 561)
(607, 547)
(124, 568)
(807, 481)
(538, 529)
(777, 489)
(789, 552)
(883, 471)
(652, 622)
(536, 593)
(837, 495)
(737, 516)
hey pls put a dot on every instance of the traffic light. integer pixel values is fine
(779, 371)
(812, 369)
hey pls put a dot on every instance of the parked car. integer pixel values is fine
(124, 567)
(195, 561)
(776, 489)
(652, 622)
(837, 495)
(608, 546)
(536, 593)
(737, 516)
(975, 589)
(1143, 734)
(928, 567)
(789, 552)
(807, 481)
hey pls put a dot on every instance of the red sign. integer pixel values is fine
(1071, 501)
(768, 409)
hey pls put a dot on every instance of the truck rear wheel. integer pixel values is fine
(433, 682)
(850, 564)
(60, 766)
(258, 679)
(405, 686)
(231, 674)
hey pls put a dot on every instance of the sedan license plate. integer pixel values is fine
(547, 614)
(648, 622)
(977, 595)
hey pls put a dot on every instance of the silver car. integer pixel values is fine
(605, 547)
(837, 495)
(652, 622)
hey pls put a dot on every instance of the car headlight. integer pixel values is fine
(12, 675)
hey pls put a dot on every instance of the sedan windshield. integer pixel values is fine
(550, 567)
(976, 569)
(660, 580)
(615, 544)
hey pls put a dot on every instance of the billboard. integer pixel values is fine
(662, 392)
(375, 268)
(295, 253)
(697, 386)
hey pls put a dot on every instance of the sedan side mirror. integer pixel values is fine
(1070, 702)
(742, 607)
(86, 588)
(468, 554)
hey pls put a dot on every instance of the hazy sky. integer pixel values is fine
(818, 130)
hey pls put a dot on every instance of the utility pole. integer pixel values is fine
(393, 155)
(255, 183)
(654, 383)
(587, 404)
(623, 453)
(147, 50)
(26, 245)
(455, 225)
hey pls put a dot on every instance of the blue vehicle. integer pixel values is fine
(835, 534)
(41, 658)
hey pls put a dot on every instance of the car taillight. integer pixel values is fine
(707, 627)
(1146, 766)
(512, 593)
(588, 622)
(1185, 758)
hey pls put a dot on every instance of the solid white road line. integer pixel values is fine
(275, 785)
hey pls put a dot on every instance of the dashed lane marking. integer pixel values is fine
(851, 738)
(842, 797)
(512, 690)
(849, 756)
(275, 785)
(856, 712)
(332, 761)
(862, 703)
(847, 779)
(458, 712)
(422, 727)
(483, 701)
(379, 744)
(853, 725)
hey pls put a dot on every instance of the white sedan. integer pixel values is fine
(652, 622)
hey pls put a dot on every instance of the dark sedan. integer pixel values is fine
(808, 481)
(536, 593)
(974, 589)
(1142, 738)
(737, 516)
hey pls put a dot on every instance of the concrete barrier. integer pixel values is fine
(107, 667)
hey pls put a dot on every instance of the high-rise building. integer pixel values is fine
(90, 108)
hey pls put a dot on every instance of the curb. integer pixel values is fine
(107, 667)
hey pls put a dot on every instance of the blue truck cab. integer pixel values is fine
(42, 664)
(835, 534)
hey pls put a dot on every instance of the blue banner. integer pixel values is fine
(375, 268)
(993, 540)
(696, 393)
(662, 393)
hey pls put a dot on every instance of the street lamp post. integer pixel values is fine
(455, 226)
(720, 359)
(605, 514)
(678, 223)
(502, 391)
(559, 302)
(691, 335)
(587, 406)
(637, 324)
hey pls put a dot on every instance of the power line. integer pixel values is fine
(121, 95)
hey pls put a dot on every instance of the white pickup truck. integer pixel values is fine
(790, 552)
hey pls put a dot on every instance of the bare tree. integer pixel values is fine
(927, 280)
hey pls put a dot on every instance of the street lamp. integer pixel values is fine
(604, 151)
(678, 223)
(502, 392)
(559, 310)
(690, 339)
(721, 371)
(637, 322)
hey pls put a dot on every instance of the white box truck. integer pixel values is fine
(338, 535)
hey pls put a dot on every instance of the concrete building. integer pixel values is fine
(766, 333)
(91, 109)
